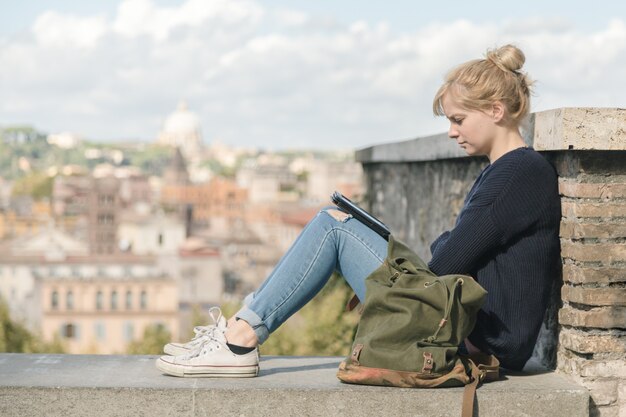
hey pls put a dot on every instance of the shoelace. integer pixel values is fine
(208, 345)
(208, 331)
(202, 331)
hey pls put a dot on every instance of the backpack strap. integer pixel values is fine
(469, 392)
(488, 365)
(488, 369)
(352, 303)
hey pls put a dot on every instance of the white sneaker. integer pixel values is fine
(202, 334)
(212, 358)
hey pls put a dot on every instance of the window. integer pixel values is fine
(69, 300)
(143, 300)
(129, 331)
(114, 300)
(105, 199)
(99, 300)
(69, 331)
(54, 300)
(129, 300)
(100, 331)
(160, 239)
(106, 219)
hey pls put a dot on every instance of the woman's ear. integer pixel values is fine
(497, 111)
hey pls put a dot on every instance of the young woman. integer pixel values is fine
(506, 237)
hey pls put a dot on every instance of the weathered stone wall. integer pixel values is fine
(417, 188)
(420, 200)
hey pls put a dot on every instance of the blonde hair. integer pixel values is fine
(476, 84)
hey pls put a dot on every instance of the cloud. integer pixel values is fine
(142, 17)
(278, 77)
(52, 29)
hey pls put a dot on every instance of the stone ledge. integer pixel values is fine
(73, 385)
(567, 128)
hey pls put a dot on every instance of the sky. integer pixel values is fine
(281, 74)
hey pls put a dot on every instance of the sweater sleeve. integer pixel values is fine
(473, 237)
(476, 232)
(508, 202)
(441, 239)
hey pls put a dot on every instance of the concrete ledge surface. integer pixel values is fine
(95, 385)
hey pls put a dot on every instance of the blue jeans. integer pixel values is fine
(324, 245)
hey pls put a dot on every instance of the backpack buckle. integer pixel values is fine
(355, 353)
(428, 362)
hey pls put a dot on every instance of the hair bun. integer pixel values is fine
(507, 57)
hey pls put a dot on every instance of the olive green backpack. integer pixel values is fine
(411, 324)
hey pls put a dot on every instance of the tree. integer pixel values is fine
(36, 184)
(15, 337)
(155, 336)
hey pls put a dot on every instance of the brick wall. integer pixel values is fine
(592, 339)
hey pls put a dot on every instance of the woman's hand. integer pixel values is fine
(471, 349)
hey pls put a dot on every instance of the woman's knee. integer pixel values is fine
(336, 213)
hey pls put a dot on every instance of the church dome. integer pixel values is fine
(182, 129)
(182, 121)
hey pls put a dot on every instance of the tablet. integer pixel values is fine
(361, 215)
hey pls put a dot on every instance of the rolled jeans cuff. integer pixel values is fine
(253, 319)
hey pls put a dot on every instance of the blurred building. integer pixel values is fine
(104, 207)
(182, 129)
(20, 256)
(64, 140)
(219, 203)
(100, 307)
(324, 177)
(6, 189)
(70, 196)
(24, 217)
(246, 259)
(200, 278)
(176, 171)
(89, 207)
(270, 182)
(278, 224)
(150, 233)
(95, 304)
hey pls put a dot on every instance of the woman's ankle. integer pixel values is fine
(240, 333)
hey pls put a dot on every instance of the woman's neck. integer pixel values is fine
(509, 140)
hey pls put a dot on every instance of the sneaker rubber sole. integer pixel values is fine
(245, 371)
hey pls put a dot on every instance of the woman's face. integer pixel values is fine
(473, 130)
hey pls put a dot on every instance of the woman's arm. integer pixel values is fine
(442, 238)
(460, 250)
(509, 202)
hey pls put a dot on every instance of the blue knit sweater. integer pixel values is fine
(507, 237)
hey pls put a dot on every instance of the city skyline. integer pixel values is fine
(279, 74)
